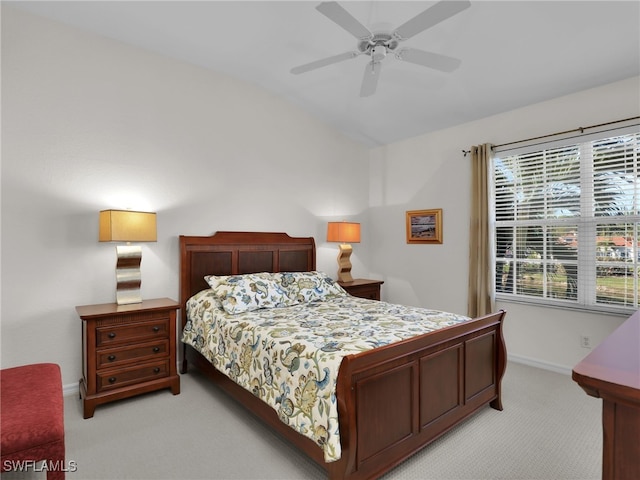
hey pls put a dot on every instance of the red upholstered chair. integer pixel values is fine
(32, 418)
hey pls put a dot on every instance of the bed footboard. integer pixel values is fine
(395, 400)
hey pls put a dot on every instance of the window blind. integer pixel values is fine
(567, 221)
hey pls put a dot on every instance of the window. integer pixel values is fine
(567, 222)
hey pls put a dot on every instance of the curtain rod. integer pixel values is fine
(575, 130)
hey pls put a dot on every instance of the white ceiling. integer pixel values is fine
(513, 53)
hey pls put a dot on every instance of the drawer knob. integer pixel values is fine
(112, 335)
(156, 329)
(112, 379)
(156, 349)
(111, 358)
(156, 370)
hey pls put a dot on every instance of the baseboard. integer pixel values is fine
(532, 362)
(70, 389)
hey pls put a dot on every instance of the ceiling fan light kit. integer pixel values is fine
(379, 44)
(378, 53)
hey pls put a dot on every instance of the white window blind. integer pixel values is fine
(567, 222)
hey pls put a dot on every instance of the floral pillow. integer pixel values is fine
(304, 287)
(243, 293)
(215, 280)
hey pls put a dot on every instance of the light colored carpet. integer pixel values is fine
(549, 429)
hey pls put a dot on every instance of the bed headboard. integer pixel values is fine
(233, 253)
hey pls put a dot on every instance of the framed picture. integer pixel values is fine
(424, 226)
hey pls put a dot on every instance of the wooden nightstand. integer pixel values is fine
(363, 288)
(127, 350)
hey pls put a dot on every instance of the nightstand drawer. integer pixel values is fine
(365, 291)
(110, 379)
(139, 352)
(363, 288)
(134, 332)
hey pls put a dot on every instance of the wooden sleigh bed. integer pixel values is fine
(392, 400)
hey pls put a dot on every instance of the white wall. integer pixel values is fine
(430, 171)
(89, 124)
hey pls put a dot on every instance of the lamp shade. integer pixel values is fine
(343, 232)
(127, 226)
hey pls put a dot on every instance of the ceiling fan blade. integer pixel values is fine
(339, 15)
(428, 59)
(430, 17)
(370, 79)
(324, 62)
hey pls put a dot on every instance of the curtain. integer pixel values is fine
(481, 295)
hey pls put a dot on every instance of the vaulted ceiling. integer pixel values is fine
(512, 53)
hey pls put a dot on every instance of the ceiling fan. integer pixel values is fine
(378, 45)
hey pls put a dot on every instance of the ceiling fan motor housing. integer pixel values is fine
(378, 46)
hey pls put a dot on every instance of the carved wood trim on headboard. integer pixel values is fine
(233, 253)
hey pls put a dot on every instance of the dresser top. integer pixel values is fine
(614, 365)
(103, 309)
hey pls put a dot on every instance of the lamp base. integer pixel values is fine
(128, 277)
(344, 263)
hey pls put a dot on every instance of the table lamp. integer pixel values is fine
(345, 233)
(128, 226)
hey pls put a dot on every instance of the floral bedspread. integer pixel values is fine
(290, 356)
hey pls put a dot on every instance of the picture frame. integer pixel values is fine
(424, 226)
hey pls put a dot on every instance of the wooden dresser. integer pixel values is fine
(363, 288)
(612, 372)
(127, 350)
